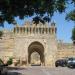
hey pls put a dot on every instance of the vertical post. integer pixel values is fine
(18, 29)
(41, 30)
(24, 30)
(46, 30)
(49, 30)
(31, 30)
(14, 30)
(35, 30)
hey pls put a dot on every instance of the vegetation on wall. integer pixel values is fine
(10, 61)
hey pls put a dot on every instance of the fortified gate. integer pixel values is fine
(33, 44)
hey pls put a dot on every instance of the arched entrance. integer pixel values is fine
(35, 58)
(36, 54)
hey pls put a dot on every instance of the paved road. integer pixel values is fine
(37, 70)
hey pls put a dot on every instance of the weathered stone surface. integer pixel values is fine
(21, 42)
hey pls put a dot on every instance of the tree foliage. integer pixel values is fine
(12, 8)
(38, 19)
(71, 16)
(9, 9)
(10, 61)
(73, 35)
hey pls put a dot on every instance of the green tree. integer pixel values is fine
(12, 8)
(71, 16)
(10, 61)
(73, 35)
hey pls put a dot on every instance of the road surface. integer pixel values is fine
(37, 70)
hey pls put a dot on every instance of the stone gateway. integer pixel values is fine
(33, 44)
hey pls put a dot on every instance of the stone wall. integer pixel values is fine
(65, 50)
(15, 43)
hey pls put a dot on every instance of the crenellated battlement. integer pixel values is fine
(31, 28)
(40, 38)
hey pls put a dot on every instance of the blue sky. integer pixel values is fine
(64, 28)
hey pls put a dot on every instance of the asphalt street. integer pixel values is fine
(37, 70)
